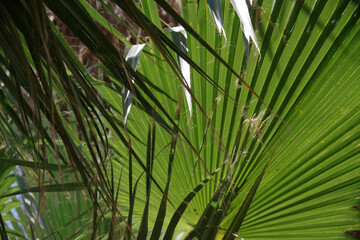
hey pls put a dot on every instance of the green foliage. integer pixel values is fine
(267, 146)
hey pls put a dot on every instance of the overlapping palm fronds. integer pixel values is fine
(240, 122)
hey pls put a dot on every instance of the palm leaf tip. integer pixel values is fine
(132, 58)
(242, 11)
(216, 13)
(179, 37)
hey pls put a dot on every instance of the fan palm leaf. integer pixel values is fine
(259, 140)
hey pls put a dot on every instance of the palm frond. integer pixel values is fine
(270, 150)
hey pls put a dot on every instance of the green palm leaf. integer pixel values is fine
(271, 148)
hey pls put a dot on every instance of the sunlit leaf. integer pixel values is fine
(216, 13)
(242, 11)
(179, 37)
(132, 58)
